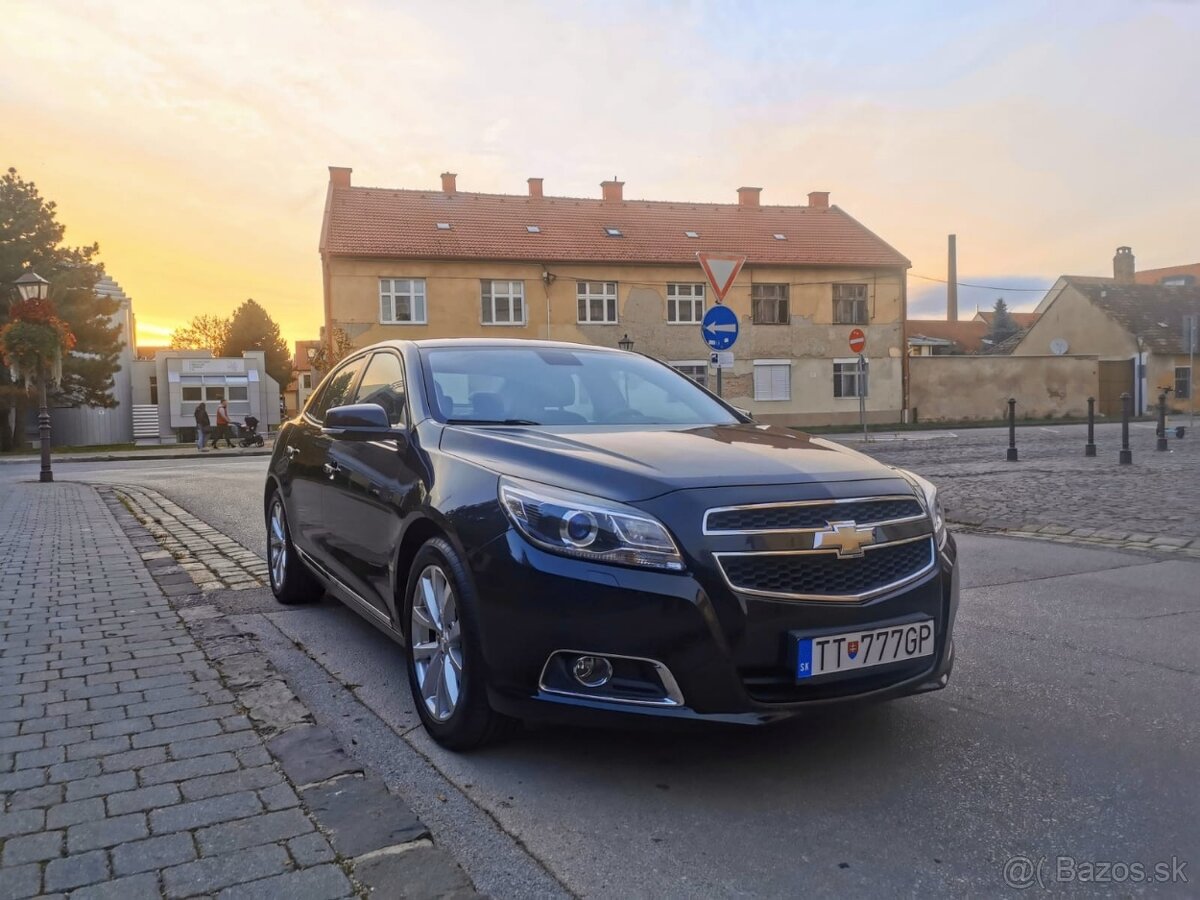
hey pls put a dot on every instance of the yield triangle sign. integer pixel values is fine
(721, 270)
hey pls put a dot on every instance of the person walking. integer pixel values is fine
(223, 427)
(202, 423)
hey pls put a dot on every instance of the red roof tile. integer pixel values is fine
(403, 223)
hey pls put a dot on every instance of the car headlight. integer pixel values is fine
(587, 527)
(933, 506)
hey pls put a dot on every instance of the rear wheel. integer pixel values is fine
(445, 667)
(291, 580)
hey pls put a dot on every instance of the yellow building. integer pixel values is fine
(410, 264)
(1138, 331)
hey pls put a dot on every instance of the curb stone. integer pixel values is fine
(380, 842)
(1084, 537)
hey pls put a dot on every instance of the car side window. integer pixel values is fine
(383, 383)
(335, 390)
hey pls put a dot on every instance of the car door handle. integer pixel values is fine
(331, 468)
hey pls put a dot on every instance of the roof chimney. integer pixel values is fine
(448, 186)
(1123, 266)
(339, 176)
(535, 187)
(818, 199)
(612, 190)
(748, 196)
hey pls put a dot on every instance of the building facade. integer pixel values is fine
(1136, 330)
(304, 377)
(404, 264)
(167, 389)
(82, 426)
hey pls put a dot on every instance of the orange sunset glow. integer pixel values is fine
(191, 140)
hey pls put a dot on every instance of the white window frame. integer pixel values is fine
(851, 361)
(766, 387)
(306, 380)
(512, 291)
(695, 300)
(416, 295)
(608, 294)
(679, 365)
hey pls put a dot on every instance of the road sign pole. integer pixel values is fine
(862, 395)
(720, 369)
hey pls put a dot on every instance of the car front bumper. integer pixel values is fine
(728, 653)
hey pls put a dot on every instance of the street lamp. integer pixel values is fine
(625, 343)
(33, 286)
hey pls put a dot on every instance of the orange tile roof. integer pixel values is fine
(1155, 276)
(380, 222)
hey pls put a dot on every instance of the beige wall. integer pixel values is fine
(960, 388)
(1085, 328)
(811, 340)
(1160, 373)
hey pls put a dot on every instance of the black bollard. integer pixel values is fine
(1012, 430)
(1126, 456)
(1162, 422)
(1089, 449)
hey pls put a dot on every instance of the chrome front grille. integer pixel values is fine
(827, 550)
(812, 514)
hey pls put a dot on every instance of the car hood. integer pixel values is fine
(631, 463)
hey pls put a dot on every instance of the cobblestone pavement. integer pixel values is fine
(1054, 490)
(132, 762)
(203, 555)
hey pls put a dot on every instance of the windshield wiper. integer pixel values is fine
(491, 422)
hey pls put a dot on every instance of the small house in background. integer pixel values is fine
(1134, 324)
(304, 377)
(167, 389)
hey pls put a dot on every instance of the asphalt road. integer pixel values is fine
(1069, 730)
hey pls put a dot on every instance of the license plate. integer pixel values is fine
(854, 650)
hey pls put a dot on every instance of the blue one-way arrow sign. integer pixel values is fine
(719, 327)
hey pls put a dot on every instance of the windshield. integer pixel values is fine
(554, 386)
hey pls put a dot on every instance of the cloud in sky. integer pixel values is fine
(191, 140)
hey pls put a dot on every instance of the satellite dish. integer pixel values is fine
(1059, 346)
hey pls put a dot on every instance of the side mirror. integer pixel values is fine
(359, 422)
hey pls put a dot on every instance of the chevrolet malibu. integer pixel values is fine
(569, 532)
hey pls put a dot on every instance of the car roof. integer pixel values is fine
(512, 343)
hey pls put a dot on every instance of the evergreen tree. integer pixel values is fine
(1003, 324)
(250, 328)
(31, 237)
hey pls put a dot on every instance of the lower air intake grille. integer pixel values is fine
(819, 575)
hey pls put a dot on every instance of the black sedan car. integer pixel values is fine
(565, 531)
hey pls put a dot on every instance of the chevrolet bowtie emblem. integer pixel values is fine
(846, 537)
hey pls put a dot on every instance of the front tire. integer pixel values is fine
(445, 665)
(291, 580)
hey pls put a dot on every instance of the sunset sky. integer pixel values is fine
(192, 139)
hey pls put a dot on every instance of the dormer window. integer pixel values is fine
(533, 229)
(443, 226)
(691, 234)
(613, 232)
(780, 237)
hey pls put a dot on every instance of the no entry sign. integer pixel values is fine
(858, 340)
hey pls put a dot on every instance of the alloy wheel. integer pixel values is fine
(435, 636)
(277, 544)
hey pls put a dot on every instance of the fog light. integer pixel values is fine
(592, 671)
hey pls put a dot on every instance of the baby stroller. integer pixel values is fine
(249, 433)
